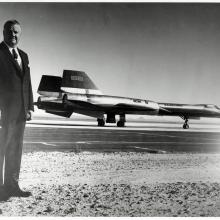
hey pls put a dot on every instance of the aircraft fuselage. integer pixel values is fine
(75, 92)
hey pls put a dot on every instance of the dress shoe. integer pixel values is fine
(19, 193)
(15, 191)
(4, 196)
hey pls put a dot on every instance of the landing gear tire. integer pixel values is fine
(122, 120)
(185, 126)
(64, 101)
(120, 124)
(101, 122)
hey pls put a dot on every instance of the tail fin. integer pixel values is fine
(78, 82)
(50, 85)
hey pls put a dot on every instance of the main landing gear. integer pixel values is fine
(120, 123)
(101, 122)
(185, 125)
(122, 120)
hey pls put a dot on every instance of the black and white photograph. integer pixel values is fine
(109, 109)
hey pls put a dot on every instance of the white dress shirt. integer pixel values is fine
(16, 50)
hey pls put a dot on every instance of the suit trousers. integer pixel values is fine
(11, 151)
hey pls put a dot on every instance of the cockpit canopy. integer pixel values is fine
(211, 106)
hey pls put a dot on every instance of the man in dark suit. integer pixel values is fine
(16, 104)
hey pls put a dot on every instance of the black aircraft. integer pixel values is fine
(75, 92)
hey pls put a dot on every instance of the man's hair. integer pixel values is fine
(10, 23)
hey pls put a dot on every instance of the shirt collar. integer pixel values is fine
(11, 48)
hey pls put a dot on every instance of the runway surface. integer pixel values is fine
(151, 137)
(150, 169)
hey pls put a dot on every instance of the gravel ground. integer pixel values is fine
(117, 184)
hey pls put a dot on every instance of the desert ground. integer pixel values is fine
(117, 184)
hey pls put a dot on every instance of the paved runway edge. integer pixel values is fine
(79, 139)
(158, 126)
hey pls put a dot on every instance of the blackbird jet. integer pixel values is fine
(75, 92)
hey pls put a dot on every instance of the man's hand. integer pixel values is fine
(28, 116)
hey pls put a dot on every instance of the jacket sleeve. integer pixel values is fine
(2, 83)
(31, 103)
(30, 91)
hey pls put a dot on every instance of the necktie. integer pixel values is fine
(15, 55)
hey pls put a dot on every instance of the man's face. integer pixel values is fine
(12, 35)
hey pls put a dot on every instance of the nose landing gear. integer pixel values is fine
(185, 125)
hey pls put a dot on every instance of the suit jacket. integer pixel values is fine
(16, 96)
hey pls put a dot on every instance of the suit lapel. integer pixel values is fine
(24, 62)
(12, 60)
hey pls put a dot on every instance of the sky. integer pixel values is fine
(165, 52)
